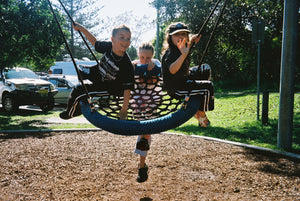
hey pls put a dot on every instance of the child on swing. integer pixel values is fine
(114, 74)
(145, 54)
(177, 76)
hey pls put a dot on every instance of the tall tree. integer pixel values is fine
(137, 24)
(132, 53)
(28, 34)
(86, 12)
(231, 53)
(83, 12)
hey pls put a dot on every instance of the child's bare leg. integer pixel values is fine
(202, 119)
(200, 113)
(142, 161)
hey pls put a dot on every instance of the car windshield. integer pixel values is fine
(73, 80)
(20, 74)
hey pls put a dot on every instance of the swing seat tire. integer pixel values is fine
(153, 126)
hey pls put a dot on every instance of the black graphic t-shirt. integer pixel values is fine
(115, 70)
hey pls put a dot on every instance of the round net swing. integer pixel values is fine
(148, 101)
(151, 110)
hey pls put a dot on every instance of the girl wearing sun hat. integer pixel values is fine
(178, 77)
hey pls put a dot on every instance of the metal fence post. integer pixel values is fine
(287, 74)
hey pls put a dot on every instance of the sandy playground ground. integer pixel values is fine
(102, 166)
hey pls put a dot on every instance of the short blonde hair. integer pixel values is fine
(147, 46)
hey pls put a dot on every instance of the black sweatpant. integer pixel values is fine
(197, 83)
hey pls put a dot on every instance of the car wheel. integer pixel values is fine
(9, 104)
(48, 106)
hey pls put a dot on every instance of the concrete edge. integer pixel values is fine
(261, 149)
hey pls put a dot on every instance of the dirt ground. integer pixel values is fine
(103, 166)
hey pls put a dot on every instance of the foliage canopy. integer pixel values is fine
(29, 34)
(231, 54)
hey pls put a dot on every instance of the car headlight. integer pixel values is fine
(21, 86)
(11, 85)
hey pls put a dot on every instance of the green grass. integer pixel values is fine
(34, 120)
(234, 119)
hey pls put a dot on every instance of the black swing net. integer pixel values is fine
(148, 99)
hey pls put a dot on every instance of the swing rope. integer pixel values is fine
(69, 50)
(208, 17)
(214, 29)
(85, 42)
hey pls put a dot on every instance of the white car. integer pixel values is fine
(21, 86)
(64, 85)
(67, 68)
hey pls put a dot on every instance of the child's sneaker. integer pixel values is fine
(203, 121)
(143, 145)
(143, 174)
(64, 115)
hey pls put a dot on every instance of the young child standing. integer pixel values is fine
(177, 76)
(145, 54)
(114, 74)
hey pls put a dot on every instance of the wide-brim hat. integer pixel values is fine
(177, 27)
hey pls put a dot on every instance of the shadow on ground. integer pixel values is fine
(246, 134)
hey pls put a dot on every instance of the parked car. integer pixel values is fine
(67, 68)
(21, 86)
(63, 84)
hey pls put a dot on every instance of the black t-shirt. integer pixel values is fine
(119, 73)
(177, 80)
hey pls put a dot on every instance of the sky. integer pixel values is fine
(115, 7)
(140, 8)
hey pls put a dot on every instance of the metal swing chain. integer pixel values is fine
(73, 60)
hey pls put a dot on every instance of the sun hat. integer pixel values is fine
(177, 27)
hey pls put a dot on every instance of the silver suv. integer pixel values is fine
(21, 86)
